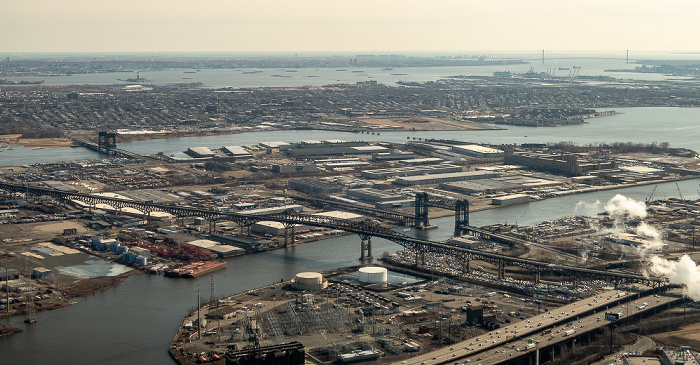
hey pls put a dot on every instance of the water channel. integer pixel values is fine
(135, 322)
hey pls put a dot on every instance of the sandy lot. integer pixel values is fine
(57, 228)
(424, 124)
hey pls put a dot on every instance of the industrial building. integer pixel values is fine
(423, 161)
(393, 155)
(292, 168)
(444, 178)
(273, 210)
(236, 151)
(314, 186)
(217, 248)
(275, 145)
(410, 171)
(502, 183)
(341, 215)
(446, 156)
(200, 152)
(8, 274)
(373, 195)
(684, 355)
(474, 150)
(475, 315)
(563, 163)
(40, 272)
(511, 199)
(344, 166)
(268, 227)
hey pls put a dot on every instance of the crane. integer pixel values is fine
(650, 196)
(679, 191)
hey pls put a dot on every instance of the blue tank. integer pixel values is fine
(123, 249)
(141, 261)
(125, 257)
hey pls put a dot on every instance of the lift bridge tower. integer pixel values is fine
(107, 141)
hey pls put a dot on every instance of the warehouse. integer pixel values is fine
(273, 210)
(423, 161)
(236, 151)
(314, 186)
(475, 150)
(511, 199)
(200, 152)
(409, 171)
(372, 195)
(499, 184)
(217, 248)
(291, 168)
(341, 215)
(444, 178)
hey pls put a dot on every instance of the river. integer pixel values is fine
(558, 65)
(135, 322)
(678, 126)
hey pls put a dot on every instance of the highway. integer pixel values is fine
(592, 322)
(498, 345)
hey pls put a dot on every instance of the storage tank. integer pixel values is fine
(373, 275)
(125, 257)
(123, 249)
(309, 281)
(141, 261)
(114, 246)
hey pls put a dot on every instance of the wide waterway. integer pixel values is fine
(678, 126)
(135, 322)
(559, 65)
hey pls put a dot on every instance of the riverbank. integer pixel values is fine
(17, 140)
(484, 204)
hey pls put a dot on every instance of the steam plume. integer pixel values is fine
(620, 205)
(683, 271)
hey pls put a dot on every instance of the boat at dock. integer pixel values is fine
(195, 269)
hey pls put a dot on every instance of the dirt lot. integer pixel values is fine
(425, 124)
(686, 336)
(15, 139)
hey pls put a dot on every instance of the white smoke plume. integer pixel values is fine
(684, 271)
(589, 209)
(620, 205)
(653, 238)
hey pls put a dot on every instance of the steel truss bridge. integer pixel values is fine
(366, 229)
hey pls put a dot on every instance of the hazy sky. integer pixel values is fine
(350, 25)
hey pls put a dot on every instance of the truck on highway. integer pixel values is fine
(547, 331)
(569, 332)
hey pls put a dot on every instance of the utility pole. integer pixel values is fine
(7, 290)
(199, 317)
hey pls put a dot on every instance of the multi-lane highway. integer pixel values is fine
(564, 332)
(500, 345)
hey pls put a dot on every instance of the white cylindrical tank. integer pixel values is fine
(308, 281)
(372, 275)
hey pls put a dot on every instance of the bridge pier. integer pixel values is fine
(537, 276)
(365, 247)
(421, 211)
(461, 216)
(501, 269)
(289, 235)
(465, 264)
